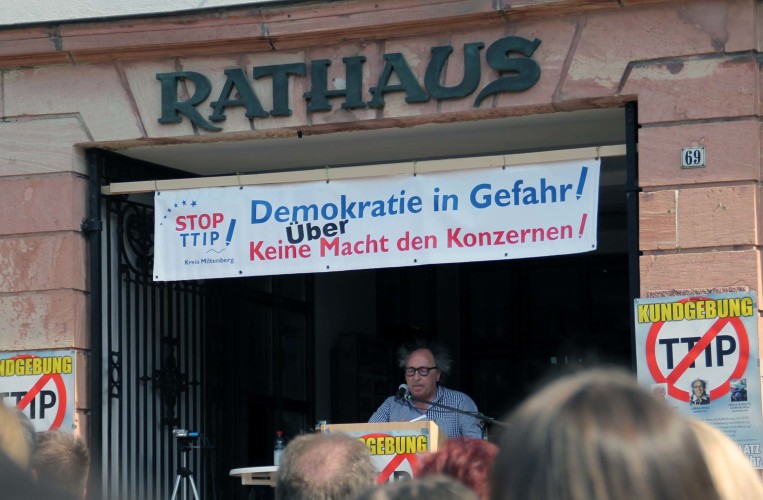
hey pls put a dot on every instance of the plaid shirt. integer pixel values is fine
(452, 423)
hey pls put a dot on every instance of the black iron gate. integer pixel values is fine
(152, 336)
(229, 359)
(149, 380)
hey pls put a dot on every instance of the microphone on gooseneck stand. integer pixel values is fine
(474, 414)
(403, 392)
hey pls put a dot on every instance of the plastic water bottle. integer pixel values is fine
(278, 448)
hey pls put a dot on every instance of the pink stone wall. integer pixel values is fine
(691, 66)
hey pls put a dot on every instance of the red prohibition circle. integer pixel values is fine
(723, 388)
(395, 461)
(37, 387)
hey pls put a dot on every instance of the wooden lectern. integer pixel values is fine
(394, 446)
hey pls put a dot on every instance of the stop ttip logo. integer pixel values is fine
(200, 228)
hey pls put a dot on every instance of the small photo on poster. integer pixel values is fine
(738, 390)
(699, 395)
(660, 391)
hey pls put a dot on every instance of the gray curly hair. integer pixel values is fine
(442, 359)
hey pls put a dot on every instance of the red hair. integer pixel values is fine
(466, 459)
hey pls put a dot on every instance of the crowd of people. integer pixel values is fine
(51, 465)
(593, 435)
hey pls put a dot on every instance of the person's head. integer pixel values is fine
(423, 367)
(61, 458)
(598, 435)
(734, 477)
(421, 488)
(16, 435)
(698, 388)
(466, 459)
(324, 467)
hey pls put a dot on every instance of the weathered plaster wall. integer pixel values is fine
(35, 11)
(692, 67)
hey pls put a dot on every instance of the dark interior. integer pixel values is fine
(281, 352)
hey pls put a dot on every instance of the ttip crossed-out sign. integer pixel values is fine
(40, 384)
(395, 456)
(726, 353)
(701, 354)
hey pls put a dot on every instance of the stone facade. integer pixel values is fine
(692, 66)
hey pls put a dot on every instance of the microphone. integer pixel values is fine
(403, 392)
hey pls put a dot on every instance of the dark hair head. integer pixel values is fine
(424, 488)
(597, 435)
(467, 459)
(441, 357)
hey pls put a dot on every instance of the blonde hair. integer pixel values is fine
(731, 471)
(16, 436)
(63, 459)
(598, 435)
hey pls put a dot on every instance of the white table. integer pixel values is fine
(257, 476)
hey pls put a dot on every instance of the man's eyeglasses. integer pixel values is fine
(423, 371)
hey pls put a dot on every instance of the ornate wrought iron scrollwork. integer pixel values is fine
(115, 374)
(170, 382)
(135, 230)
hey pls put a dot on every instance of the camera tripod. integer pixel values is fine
(184, 473)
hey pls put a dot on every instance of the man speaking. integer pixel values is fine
(423, 366)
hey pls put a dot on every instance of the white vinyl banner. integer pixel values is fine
(405, 220)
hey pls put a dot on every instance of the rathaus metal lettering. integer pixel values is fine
(510, 56)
